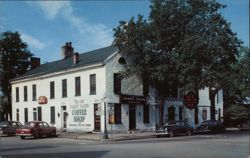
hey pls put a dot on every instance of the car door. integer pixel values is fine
(47, 129)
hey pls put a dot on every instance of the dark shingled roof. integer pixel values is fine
(85, 59)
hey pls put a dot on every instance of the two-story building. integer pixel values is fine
(71, 93)
(76, 92)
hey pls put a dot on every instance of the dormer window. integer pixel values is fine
(122, 61)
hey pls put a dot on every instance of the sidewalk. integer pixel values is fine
(99, 136)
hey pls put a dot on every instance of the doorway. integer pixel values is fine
(97, 118)
(132, 117)
(64, 117)
(171, 113)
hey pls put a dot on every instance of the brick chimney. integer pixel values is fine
(75, 57)
(67, 50)
(35, 62)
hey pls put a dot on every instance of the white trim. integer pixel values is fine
(110, 56)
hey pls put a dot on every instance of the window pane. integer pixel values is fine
(64, 88)
(39, 113)
(34, 92)
(25, 114)
(93, 84)
(117, 83)
(52, 114)
(17, 94)
(25, 93)
(52, 90)
(77, 86)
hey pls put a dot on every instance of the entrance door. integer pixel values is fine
(171, 113)
(97, 118)
(64, 117)
(132, 117)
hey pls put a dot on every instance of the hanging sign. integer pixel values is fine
(190, 100)
(131, 99)
(42, 100)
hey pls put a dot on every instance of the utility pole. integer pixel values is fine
(105, 134)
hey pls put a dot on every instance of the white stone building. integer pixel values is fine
(71, 94)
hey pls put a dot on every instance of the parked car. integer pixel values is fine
(210, 126)
(174, 128)
(9, 127)
(36, 129)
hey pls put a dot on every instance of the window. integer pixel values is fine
(118, 113)
(77, 86)
(34, 92)
(25, 115)
(25, 95)
(146, 113)
(17, 114)
(180, 113)
(196, 120)
(64, 88)
(92, 84)
(145, 88)
(17, 94)
(219, 96)
(52, 90)
(117, 83)
(52, 115)
(39, 113)
(34, 114)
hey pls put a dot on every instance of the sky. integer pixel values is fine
(46, 25)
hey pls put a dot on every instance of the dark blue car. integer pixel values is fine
(174, 128)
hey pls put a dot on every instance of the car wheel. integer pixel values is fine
(171, 134)
(158, 136)
(22, 137)
(54, 134)
(36, 135)
(189, 133)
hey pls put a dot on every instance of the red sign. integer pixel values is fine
(190, 100)
(42, 100)
(131, 99)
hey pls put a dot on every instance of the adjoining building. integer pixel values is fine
(75, 93)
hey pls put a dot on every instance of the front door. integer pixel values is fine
(64, 117)
(97, 118)
(132, 117)
(171, 113)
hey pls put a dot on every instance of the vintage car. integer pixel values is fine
(174, 128)
(212, 126)
(36, 129)
(9, 127)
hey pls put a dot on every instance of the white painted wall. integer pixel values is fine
(43, 89)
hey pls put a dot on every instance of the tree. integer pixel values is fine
(184, 43)
(237, 114)
(15, 61)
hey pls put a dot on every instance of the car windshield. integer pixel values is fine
(30, 124)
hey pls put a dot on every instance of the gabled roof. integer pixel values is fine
(89, 58)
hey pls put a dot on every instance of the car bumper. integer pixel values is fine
(159, 133)
(24, 134)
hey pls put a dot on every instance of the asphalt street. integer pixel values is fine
(197, 146)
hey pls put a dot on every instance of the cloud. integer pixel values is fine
(51, 8)
(32, 41)
(95, 35)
